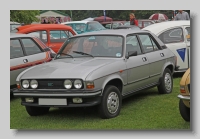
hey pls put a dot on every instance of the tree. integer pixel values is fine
(24, 16)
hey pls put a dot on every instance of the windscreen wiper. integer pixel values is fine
(82, 53)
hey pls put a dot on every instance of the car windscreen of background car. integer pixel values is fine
(101, 46)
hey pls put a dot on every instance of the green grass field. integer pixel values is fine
(145, 111)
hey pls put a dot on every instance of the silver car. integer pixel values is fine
(98, 68)
(25, 51)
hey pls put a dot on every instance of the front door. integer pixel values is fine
(137, 66)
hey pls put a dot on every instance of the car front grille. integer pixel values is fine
(51, 84)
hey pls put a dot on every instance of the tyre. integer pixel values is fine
(166, 84)
(35, 111)
(184, 111)
(111, 102)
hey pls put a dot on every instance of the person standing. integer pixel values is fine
(133, 20)
(182, 15)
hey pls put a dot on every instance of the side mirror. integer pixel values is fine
(46, 49)
(131, 53)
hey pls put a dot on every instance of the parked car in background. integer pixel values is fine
(128, 27)
(26, 51)
(176, 36)
(85, 26)
(184, 96)
(53, 35)
(142, 23)
(14, 25)
(113, 65)
(112, 24)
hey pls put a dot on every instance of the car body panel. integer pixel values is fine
(123, 68)
(19, 64)
(182, 48)
(44, 33)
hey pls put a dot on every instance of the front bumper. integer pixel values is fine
(89, 98)
(183, 97)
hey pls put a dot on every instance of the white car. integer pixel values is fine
(176, 36)
(85, 26)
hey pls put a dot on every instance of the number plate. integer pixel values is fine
(52, 101)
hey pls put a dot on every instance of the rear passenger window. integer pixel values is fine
(15, 49)
(148, 43)
(172, 36)
(30, 46)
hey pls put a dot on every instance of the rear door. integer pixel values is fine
(155, 55)
(174, 39)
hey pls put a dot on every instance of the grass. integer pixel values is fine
(145, 111)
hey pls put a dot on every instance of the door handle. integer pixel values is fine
(162, 55)
(144, 59)
(25, 60)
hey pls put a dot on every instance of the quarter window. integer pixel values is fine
(30, 46)
(188, 33)
(40, 34)
(172, 36)
(15, 49)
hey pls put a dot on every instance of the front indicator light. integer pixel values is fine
(182, 89)
(18, 86)
(90, 85)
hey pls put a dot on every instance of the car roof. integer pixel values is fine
(43, 26)
(77, 22)
(158, 27)
(122, 32)
(16, 35)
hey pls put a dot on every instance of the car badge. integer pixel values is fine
(50, 84)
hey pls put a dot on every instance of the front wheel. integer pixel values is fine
(184, 111)
(35, 111)
(166, 84)
(111, 102)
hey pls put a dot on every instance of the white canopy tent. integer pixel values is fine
(88, 19)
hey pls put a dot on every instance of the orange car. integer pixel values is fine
(53, 35)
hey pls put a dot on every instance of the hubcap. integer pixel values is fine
(113, 102)
(168, 82)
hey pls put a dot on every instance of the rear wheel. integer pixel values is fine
(35, 111)
(111, 102)
(184, 111)
(166, 84)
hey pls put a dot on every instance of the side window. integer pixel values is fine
(58, 35)
(188, 33)
(147, 24)
(148, 43)
(132, 44)
(140, 24)
(172, 36)
(40, 34)
(15, 49)
(30, 46)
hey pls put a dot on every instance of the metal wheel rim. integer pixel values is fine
(168, 82)
(112, 102)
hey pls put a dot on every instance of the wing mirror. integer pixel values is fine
(131, 53)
